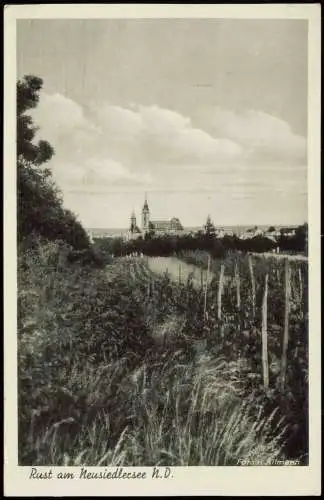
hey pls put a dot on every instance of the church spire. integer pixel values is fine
(133, 221)
(145, 216)
(145, 207)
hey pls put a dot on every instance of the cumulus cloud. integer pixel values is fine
(97, 174)
(199, 145)
(160, 135)
(106, 171)
(160, 122)
(151, 147)
(68, 174)
(60, 117)
(119, 121)
(263, 136)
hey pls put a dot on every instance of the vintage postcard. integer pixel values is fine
(162, 250)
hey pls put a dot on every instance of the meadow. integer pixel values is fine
(123, 365)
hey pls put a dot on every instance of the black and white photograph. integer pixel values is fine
(162, 172)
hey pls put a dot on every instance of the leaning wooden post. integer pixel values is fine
(300, 279)
(286, 325)
(265, 362)
(206, 288)
(220, 291)
(202, 279)
(179, 273)
(252, 283)
(238, 287)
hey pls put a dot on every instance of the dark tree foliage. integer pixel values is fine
(28, 90)
(166, 245)
(151, 231)
(28, 93)
(296, 243)
(209, 226)
(40, 208)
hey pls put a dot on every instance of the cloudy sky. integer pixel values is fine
(206, 116)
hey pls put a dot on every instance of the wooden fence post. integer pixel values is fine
(220, 291)
(265, 362)
(300, 279)
(252, 283)
(206, 288)
(179, 273)
(238, 287)
(202, 279)
(286, 324)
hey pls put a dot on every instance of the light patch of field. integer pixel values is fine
(282, 256)
(178, 270)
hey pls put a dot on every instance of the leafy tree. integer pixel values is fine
(302, 232)
(28, 90)
(40, 206)
(209, 227)
(151, 230)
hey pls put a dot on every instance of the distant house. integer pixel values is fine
(257, 232)
(245, 236)
(220, 233)
(288, 231)
(273, 235)
(251, 233)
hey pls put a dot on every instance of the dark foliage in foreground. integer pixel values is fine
(39, 201)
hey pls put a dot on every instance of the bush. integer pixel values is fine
(88, 257)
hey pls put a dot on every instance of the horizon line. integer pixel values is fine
(216, 225)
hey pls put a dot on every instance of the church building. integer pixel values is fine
(156, 227)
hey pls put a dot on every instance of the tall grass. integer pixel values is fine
(242, 329)
(110, 374)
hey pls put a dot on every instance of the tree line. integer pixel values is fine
(167, 245)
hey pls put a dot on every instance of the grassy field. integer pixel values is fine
(121, 366)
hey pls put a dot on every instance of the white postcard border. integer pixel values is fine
(241, 481)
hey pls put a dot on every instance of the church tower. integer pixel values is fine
(145, 216)
(133, 222)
